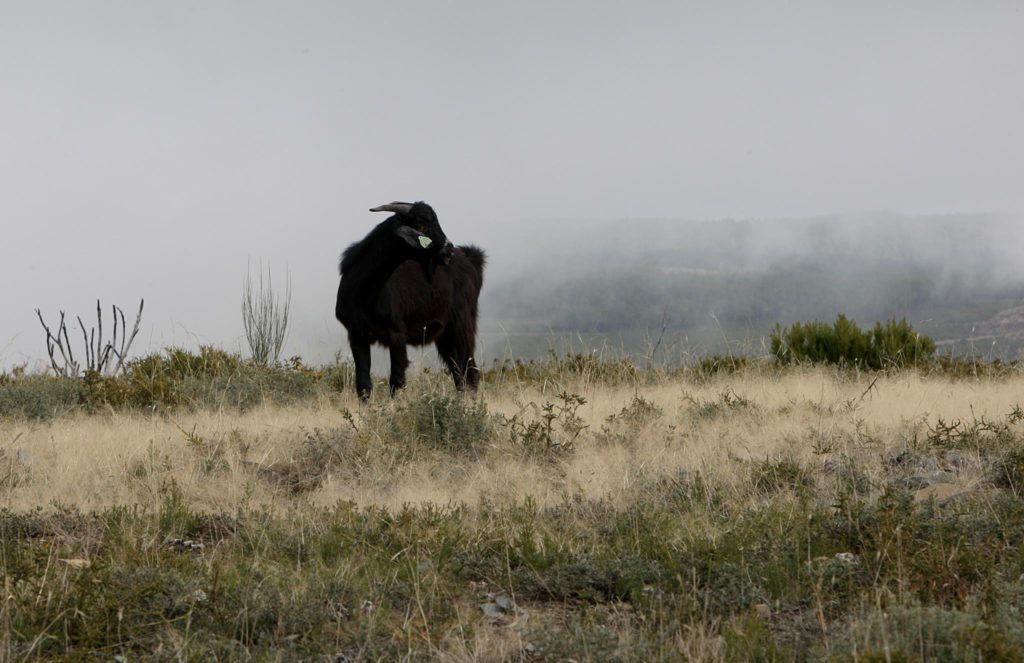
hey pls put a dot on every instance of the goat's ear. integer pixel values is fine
(413, 238)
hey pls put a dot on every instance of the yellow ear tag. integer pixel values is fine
(424, 241)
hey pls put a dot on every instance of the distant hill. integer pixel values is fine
(718, 284)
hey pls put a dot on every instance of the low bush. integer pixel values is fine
(771, 476)
(545, 431)
(38, 397)
(171, 380)
(892, 345)
(443, 421)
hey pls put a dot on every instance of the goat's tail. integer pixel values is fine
(477, 258)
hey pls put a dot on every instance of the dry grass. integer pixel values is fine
(796, 514)
(716, 427)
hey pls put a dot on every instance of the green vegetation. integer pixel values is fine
(181, 380)
(172, 380)
(770, 557)
(892, 345)
(831, 576)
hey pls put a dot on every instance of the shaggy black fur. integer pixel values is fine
(396, 292)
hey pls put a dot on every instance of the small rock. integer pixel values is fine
(24, 457)
(762, 611)
(846, 558)
(492, 611)
(505, 603)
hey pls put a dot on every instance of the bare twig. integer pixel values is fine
(54, 342)
(870, 387)
(665, 322)
(67, 342)
(97, 352)
(85, 341)
(126, 345)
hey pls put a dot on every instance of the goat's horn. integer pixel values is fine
(396, 207)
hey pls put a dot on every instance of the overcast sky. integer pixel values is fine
(150, 149)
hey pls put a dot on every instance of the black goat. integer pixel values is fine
(406, 284)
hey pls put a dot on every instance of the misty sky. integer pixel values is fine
(152, 149)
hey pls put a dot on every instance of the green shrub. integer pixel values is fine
(728, 402)
(250, 387)
(932, 633)
(770, 476)
(979, 434)
(38, 397)
(624, 427)
(443, 421)
(552, 430)
(844, 343)
(174, 379)
(1009, 470)
(208, 362)
(159, 380)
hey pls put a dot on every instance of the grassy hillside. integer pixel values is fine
(575, 509)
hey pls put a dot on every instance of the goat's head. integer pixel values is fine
(419, 232)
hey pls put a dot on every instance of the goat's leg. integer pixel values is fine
(361, 357)
(466, 344)
(472, 373)
(457, 355)
(399, 362)
(446, 350)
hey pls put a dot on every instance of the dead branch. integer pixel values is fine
(126, 347)
(67, 366)
(98, 353)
